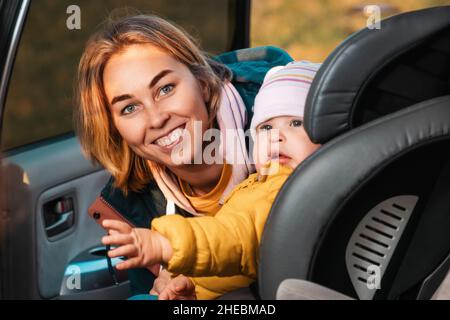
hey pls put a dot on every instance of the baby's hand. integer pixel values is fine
(142, 247)
(179, 288)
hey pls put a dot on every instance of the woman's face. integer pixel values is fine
(154, 101)
(283, 139)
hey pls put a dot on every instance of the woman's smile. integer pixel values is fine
(168, 141)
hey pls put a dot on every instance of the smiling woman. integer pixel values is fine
(129, 67)
(143, 88)
(154, 98)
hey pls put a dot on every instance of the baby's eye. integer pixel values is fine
(166, 89)
(296, 123)
(265, 127)
(129, 109)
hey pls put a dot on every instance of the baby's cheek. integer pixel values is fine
(260, 151)
(261, 156)
(305, 149)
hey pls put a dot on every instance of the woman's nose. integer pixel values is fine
(156, 118)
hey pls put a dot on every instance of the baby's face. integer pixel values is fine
(282, 139)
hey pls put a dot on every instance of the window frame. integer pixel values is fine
(12, 16)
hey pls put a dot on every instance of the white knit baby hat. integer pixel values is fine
(284, 91)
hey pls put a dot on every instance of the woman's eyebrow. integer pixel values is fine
(154, 81)
(158, 77)
(120, 98)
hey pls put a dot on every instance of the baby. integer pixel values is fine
(228, 243)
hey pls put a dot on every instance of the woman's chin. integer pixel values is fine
(178, 157)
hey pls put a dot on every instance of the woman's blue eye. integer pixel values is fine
(296, 123)
(166, 90)
(265, 127)
(129, 109)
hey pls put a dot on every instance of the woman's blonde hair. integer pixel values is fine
(98, 136)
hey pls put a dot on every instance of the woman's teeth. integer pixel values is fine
(170, 138)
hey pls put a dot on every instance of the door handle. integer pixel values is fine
(59, 216)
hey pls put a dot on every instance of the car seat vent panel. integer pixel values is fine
(374, 240)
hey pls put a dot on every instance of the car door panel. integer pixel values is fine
(48, 173)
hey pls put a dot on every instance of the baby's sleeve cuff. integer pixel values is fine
(181, 237)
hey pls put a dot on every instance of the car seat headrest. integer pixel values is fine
(379, 71)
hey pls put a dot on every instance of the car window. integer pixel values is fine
(39, 102)
(311, 30)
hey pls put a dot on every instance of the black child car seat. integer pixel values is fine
(368, 215)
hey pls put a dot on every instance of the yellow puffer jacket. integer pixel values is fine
(226, 244)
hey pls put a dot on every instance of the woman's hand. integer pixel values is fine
(142, 247)
(161, 282)
(178, 288)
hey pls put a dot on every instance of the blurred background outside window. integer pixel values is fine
(40, 97)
